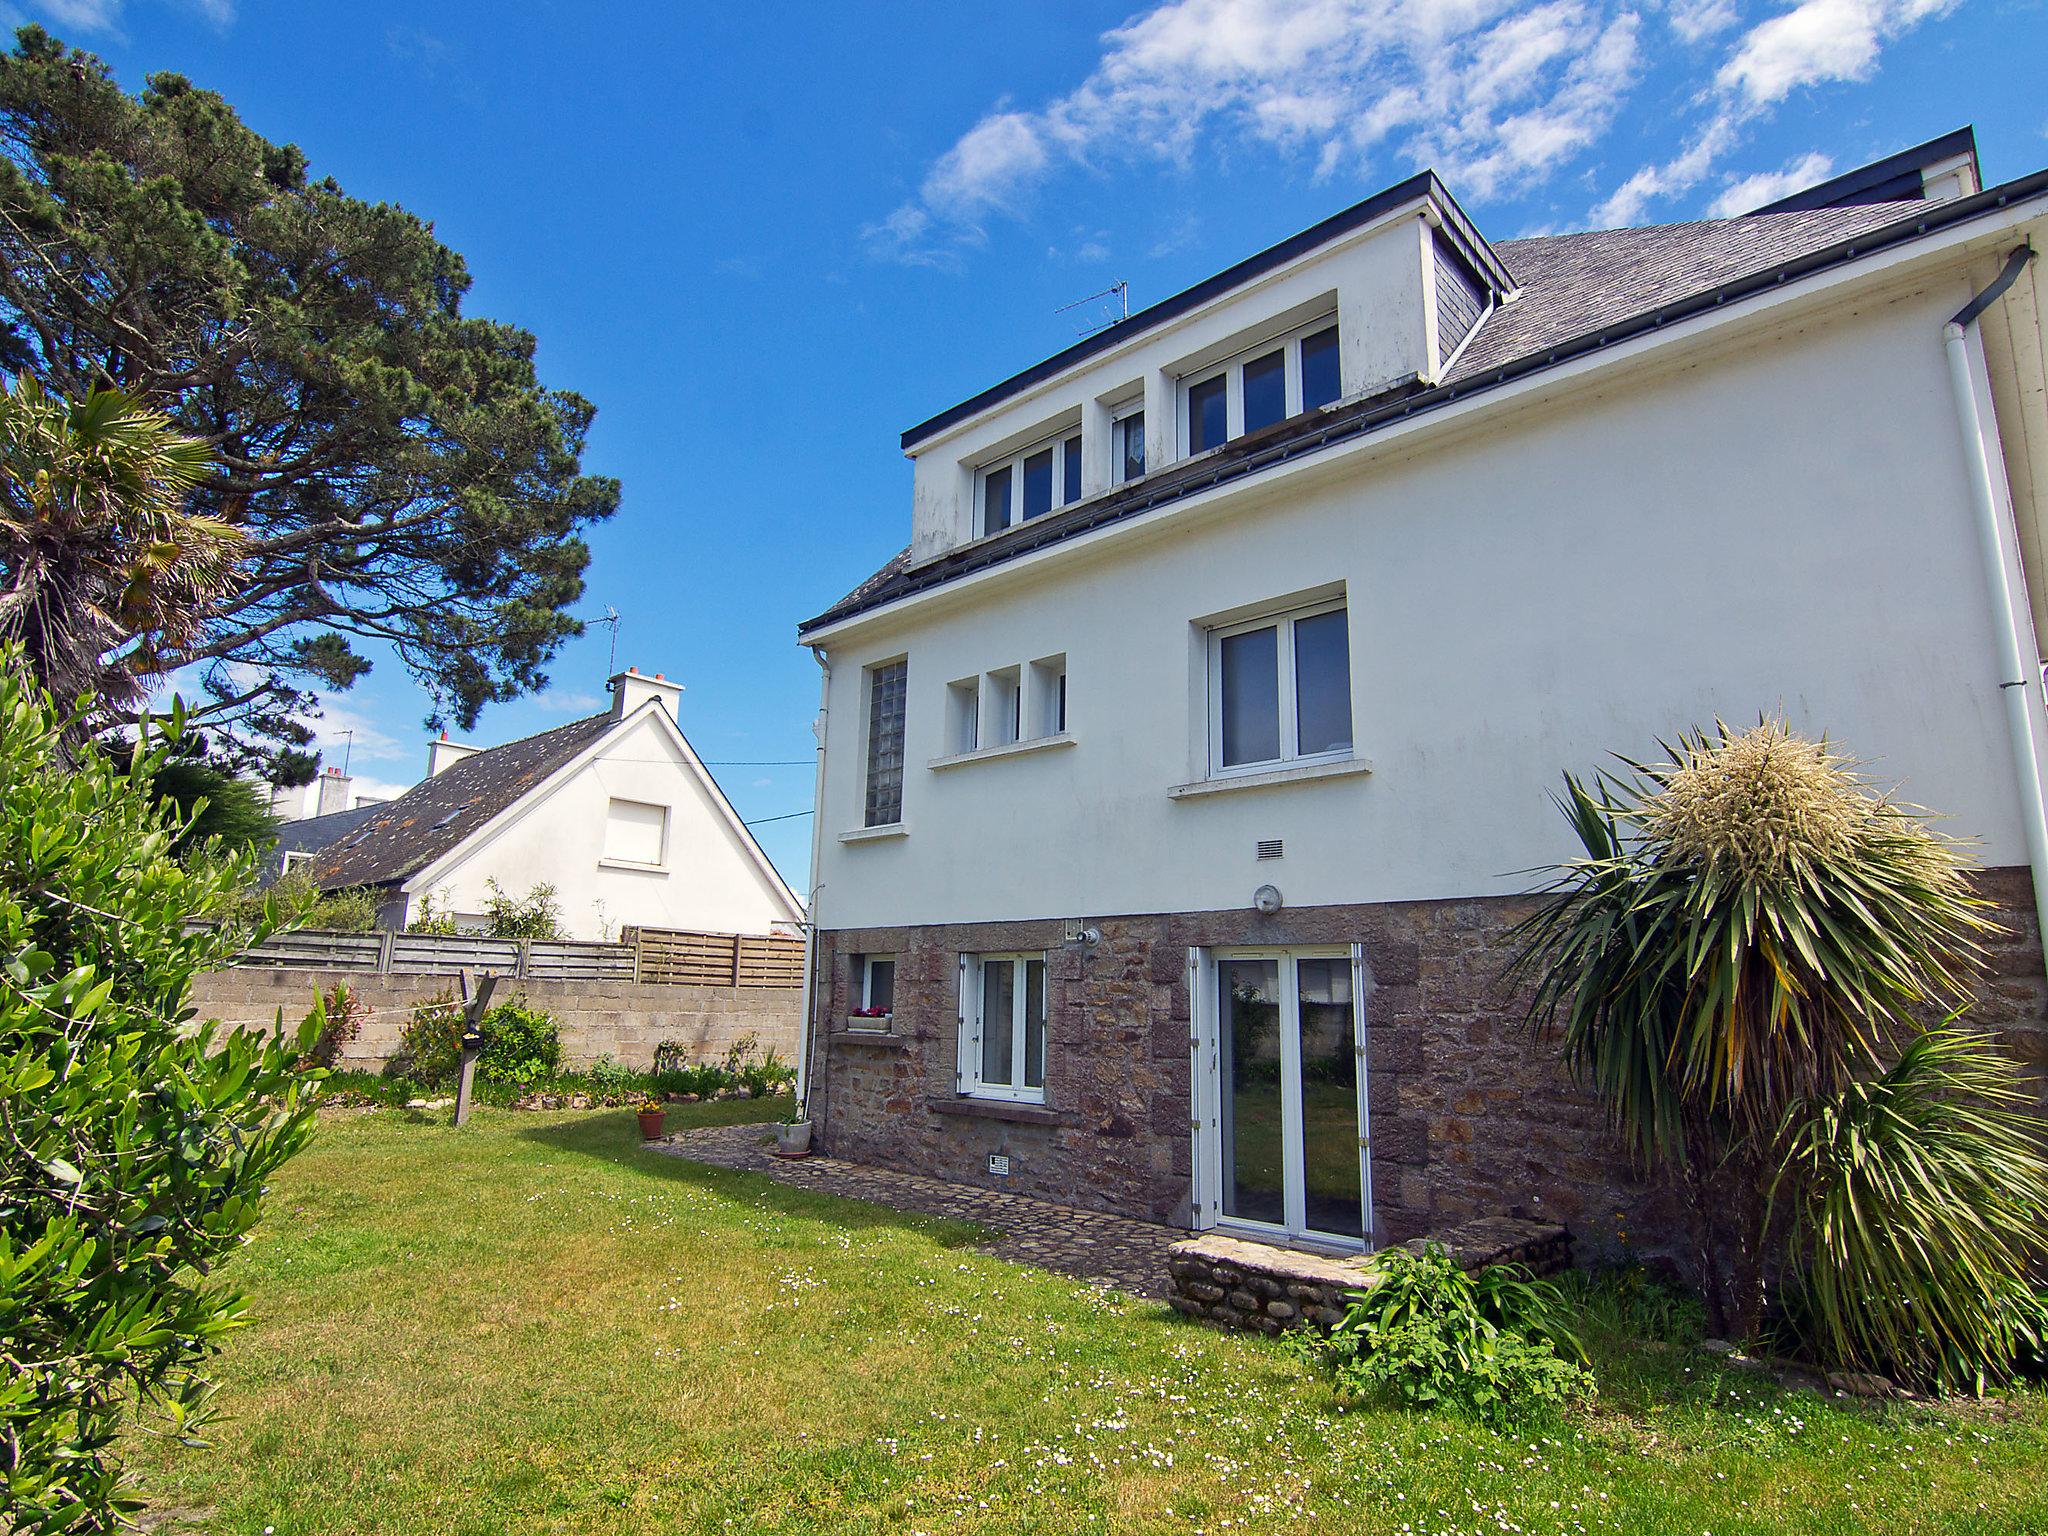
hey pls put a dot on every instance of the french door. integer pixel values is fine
(1281, 1143)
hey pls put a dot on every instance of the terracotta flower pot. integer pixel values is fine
(650, 1124)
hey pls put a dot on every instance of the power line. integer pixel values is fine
(759, 820)
(752, 762)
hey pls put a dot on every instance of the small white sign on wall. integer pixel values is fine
(999, 1164)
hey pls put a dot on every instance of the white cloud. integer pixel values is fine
(1694, 20)
(1818, 41)
(1815, 42)
(1481, 89)
(104, 16)
(1749, 193)
(572, 701)
(339, 732)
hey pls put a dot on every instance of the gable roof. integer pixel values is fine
(309, 834)
(434, 816)
(1900, 177)
(1579, 294)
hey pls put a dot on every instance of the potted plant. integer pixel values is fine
(793, 1136)
(651, 1115)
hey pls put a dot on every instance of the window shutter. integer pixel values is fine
(1204, 1198)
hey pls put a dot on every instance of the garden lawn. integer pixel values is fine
(532, 1325)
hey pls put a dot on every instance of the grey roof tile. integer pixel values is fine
(409, 833)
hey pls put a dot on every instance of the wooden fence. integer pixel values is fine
(660, 955)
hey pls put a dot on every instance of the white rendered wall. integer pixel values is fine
(1782, 528)
(1372, 280)
(709, 881)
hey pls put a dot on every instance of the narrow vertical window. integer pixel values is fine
(1037, 485)
(887, 686)
(1265, 390)
(1208, 413)
(1070, 483)
(995, 500)
(1130, 447)
(1322, 683)
(1251, 696)
(1319, 369)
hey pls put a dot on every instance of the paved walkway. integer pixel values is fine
(1109, 1251)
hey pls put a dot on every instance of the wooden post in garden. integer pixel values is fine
(472, 1037)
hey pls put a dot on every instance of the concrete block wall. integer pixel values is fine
(620, 1019)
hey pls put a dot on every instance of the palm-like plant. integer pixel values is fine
(1752, 927)
(1918, 1198)
(101, 566)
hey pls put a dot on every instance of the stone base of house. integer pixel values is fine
(1471, 1114)
(1264, 1289)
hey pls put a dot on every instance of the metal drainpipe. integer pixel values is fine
(2020, 671)
(803, 1061)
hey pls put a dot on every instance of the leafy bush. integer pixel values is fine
(351, 910)
(521, 1045)
(1919, 1198)
(536, 915)
(432, 917)
(139, 1143)
(703, 1079)
(1428, 1334)
(609, 1075)
(336, 1022)
(430, 1043)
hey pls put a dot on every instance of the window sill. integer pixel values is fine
(997, 1109)
(634, 865)
(880, 1039)
(875, 834)
(1007, 749)
(1299, 773)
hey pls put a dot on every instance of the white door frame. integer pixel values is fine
(1205, 1048)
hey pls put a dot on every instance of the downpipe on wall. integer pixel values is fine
(2019, 671)
(803, 1060)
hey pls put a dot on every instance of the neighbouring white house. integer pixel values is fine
(1182, 775)
(614, 811)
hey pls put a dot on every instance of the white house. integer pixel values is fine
(614, 811)
(1181, 775)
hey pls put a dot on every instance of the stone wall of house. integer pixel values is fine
(1471, 1115)
(597, 1018)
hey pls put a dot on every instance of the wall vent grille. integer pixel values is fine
(1271, 848)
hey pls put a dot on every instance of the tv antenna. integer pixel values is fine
(611, 666)
(1112, 306)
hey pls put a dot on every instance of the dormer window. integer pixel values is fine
(1260, 386)
(1031, 483)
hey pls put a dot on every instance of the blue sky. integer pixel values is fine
(765, 240)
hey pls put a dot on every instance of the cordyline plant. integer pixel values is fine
(135, 1141)
(1747, 946)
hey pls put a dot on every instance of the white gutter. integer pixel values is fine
(2019, 671)
(803, 1060)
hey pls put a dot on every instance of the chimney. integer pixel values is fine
(446, 754)
(630, 690)
(333, 792)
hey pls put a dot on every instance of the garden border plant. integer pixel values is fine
(1739, 967)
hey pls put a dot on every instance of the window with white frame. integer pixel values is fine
(293, 858)
(1280, 689)
(635, 833)
(1007, 707)
(1030, 483)
(963, 715)
(874, 988)
(1002, 1027)
(887, 687)
(1127, 445)
(1261, 385)
(1049, 696)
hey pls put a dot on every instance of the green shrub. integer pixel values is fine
(536, 915)
(1429, 1335)
(607, 1074)
(336, 1022)
(352, 910)
(521, 1045)
(138, 1142)
(430, 1044)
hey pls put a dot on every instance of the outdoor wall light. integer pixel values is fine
(1267, 899)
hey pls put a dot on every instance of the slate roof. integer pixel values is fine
(1578, 294)
(405, 835)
